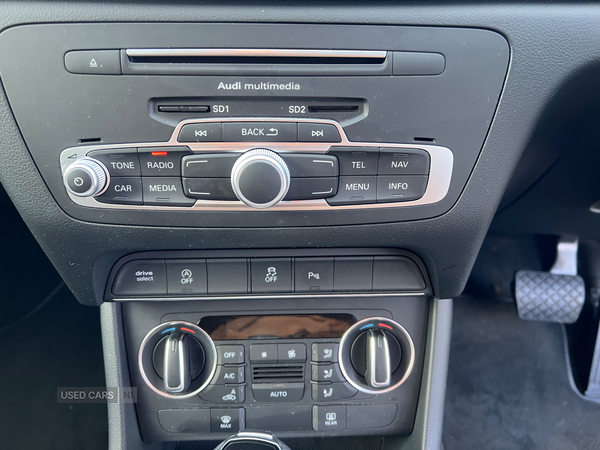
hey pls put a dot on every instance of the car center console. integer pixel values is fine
(207, 157)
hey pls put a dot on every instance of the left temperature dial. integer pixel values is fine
(86, 178)
(177, 359)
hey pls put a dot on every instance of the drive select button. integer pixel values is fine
(138, 278)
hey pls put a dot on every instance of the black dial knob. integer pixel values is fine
(86, 177)
(260, 178)
(376, 355)
(177, 359)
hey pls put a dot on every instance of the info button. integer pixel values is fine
(139, 278)
(260, 132)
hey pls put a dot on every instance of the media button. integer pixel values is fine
(260, 132)
(165, 191)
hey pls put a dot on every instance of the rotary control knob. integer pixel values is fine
(86, 178)
(260, 178)
(376, 355)
(177, 359)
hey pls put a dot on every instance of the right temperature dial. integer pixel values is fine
(376, 355)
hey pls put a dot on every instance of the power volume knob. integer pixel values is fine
(85, 178)
(260, 178)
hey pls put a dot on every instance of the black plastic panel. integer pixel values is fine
(454, 108)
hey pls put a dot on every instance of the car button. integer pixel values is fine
(260, 132)
(291, 353)
(164, 191)
(209, 165)
(306, 165)
(162, 161)
(271, 274)
(278, 393)
(230, 354)
(403, 161)
(329, 417)
(186, 277)
(138, 278)
(317, 132)
(326, 372)
(312, 188)
(218, 393)
(314, 274)
(227, 420)
(327, 392)
(400, 188)
(355, 190)
(229, 375)
(209, 188)
(263, 353)
(325, 352)
(201, 132)
(123, 162)
(357, 160)
(123, 190)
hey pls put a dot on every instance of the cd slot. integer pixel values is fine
(255, 62)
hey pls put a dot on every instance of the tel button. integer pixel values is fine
(357, 160)
(123, 190)
(186, 277)
(137, 278)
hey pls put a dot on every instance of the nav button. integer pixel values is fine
(123, 190)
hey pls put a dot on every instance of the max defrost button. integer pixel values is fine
(165, 191)
(227, 420)
(138, 278)
(123, 190)
(186, 277)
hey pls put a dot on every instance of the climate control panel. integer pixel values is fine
(238, 164)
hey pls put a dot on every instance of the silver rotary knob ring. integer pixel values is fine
(260, 178)
(86, 178)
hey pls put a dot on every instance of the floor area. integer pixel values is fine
(508, 385)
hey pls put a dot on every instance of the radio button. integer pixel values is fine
(123, 190)
(162, 161)
(311, 188)
(316, 132)
(307, 165)
(209, 188)
(355, 190)
(260, 132)
(165, 191)
(208, 165)
(403, 161)
(356, 160)
(201, 132)
(123, 162)
(400, 188)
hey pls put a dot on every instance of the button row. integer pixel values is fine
(267, 275)
(274, 353)
(361, 161)
(258, 132)
(379, 189)
(277, 418)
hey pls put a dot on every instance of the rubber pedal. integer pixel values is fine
(548, 297)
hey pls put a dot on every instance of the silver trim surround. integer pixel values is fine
(440, 172)
(269, 297)
(344, 340)
(152, 333)
(255, 52)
